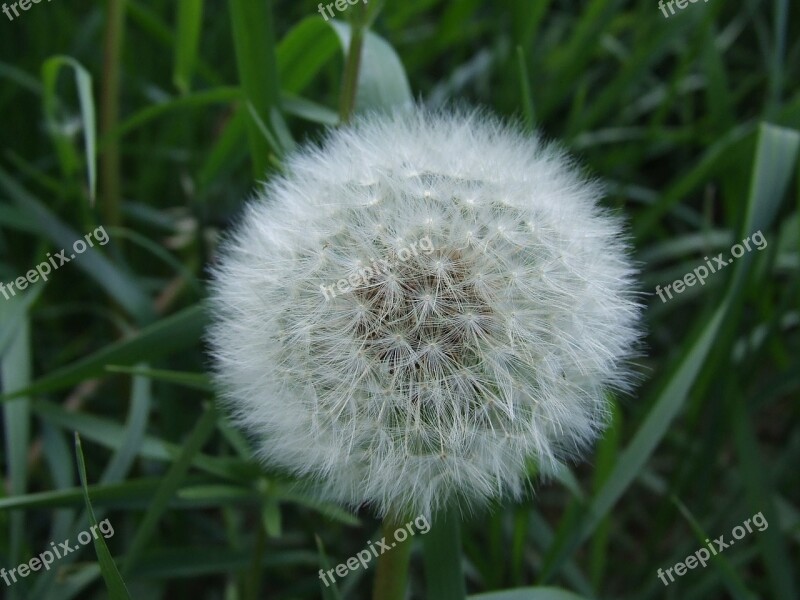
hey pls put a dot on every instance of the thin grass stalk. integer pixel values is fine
(109, 112)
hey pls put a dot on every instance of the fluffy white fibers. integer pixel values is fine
(487, 309)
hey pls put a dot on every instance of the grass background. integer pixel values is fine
(171, 110)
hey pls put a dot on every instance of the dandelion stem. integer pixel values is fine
(442, 553)
(392, 571)
(347, 101)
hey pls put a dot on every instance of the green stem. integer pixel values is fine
(527, 97)
(252, 23)
(109, 112)
(253, 583)
(347, 101)
(391, 575)
(442, 553)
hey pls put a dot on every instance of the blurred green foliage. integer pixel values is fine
(692, 121)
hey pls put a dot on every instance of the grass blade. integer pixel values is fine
(197, 381)
(441, 546)
(169, 485)
(83, 81)
(254, 40)
(382, 82)
(116, 282)
(330, 591)
(190, 22)
(110, 434)
(525, 86)
(114, 583)
(733, 582)
(774, 163)
(776, 160)
(220, 95)
(530, 593)
(179, 331)
(135, 429)
(15, 373)
(760, 494)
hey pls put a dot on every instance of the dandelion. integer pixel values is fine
(439, 380)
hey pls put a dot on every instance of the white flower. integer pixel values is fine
(441, 378)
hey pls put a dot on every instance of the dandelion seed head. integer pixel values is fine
(441, 370)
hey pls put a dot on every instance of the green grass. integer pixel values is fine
(156, 119)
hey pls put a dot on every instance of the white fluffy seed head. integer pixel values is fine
(420, 309)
